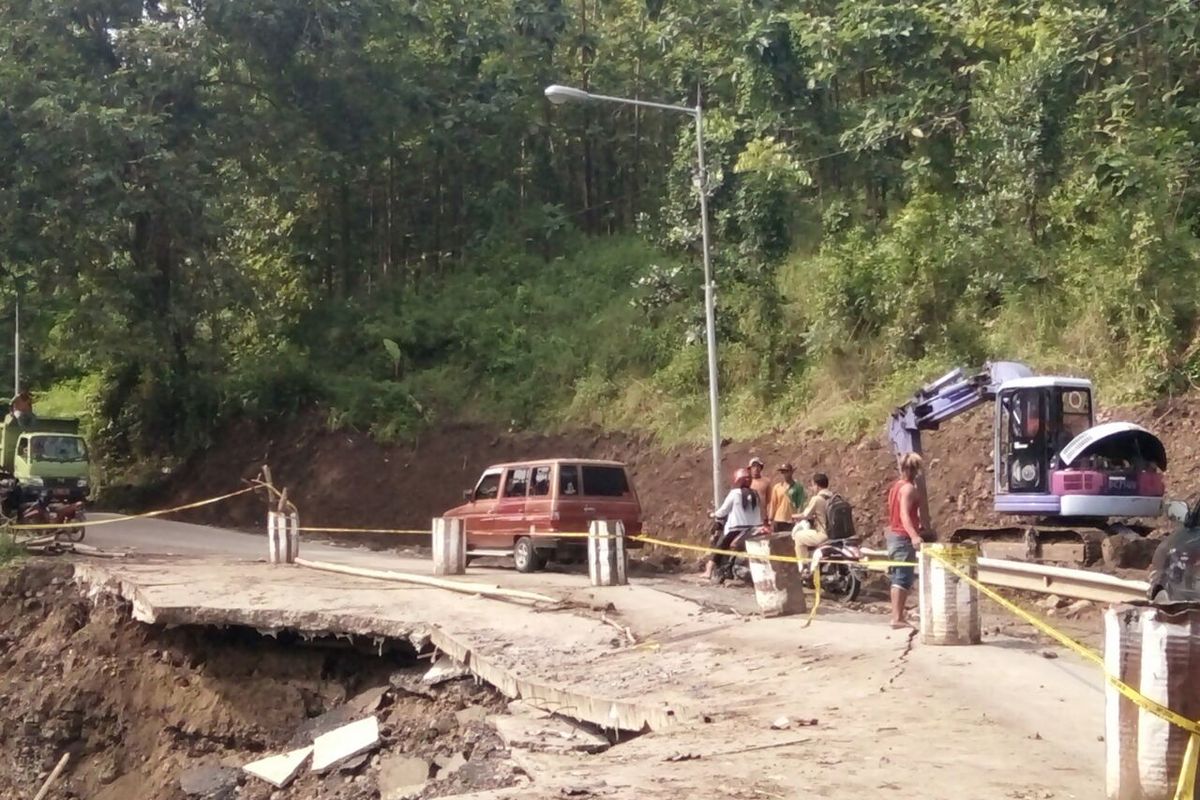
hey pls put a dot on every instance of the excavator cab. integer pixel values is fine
(1051, 460)
(1035, 419)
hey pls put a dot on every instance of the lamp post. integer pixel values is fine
(562, 94)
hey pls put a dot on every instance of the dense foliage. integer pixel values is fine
(213, 207)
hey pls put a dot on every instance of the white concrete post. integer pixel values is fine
(607, 559)
(283, 537)
(1153, 651)
(778, 587)
(949, 605)
(449, 547)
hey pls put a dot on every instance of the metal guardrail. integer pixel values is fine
(1074, 583)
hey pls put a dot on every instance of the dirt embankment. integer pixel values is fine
(139, 708)
(347, 479)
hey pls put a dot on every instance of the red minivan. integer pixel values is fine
(546, 496)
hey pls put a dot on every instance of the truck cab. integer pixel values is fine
(1051, 459)
(47, 457)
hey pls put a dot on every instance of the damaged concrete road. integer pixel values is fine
(702, 682)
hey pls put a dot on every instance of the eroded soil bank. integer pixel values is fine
(139, 707)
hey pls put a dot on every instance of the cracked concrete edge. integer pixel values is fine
(577, 704)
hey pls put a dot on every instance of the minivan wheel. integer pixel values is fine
(526, 557)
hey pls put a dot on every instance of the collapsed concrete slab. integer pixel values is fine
(279, 770)
(503, 644)
(330, 749)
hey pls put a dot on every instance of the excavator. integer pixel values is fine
(1072, 483)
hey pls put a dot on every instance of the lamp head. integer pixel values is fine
(562, 94)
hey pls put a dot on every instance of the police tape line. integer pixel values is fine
(1184, 789)
(92, 523)
(1187, 777)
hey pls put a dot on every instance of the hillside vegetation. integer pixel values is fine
(250, 207)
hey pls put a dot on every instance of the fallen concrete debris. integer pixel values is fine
(281, 769)
(345, 742)
(448, 765)
(212, 782)
(471, 714)
(551, 735)
(443, 670)
(401, 777)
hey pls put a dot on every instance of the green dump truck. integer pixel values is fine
(47, 456)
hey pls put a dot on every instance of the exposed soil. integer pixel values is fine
(347, 479)
(137, 706)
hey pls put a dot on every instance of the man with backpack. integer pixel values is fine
(828, 515)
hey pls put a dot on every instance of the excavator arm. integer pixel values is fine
(953, 394)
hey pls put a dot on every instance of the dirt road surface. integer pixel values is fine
(893, 717)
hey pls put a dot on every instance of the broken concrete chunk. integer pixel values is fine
(344, 742)
(211, 782)
(401, 776)
(471, 714)
(367, 702)
(443, 670)
(781, 724)
(313, 727)
(279, 770)
(554, 735)
(407, 682)
(448, 765)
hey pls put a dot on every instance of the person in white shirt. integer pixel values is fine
(742, 511)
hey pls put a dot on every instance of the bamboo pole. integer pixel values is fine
(45, 790)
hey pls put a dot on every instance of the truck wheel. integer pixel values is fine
(526, 557)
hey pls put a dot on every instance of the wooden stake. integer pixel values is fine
(45, 790)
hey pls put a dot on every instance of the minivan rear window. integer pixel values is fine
(604, 482)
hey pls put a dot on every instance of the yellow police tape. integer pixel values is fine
(1184, 789)
(126, 517)
(1187, 777)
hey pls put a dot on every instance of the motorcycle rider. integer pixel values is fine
(743, 513)
(814, 534)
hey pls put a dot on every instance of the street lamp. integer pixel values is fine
(562, 94)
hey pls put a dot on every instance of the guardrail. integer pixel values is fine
(1074, 583)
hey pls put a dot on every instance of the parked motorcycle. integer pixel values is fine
(18, 509)
(836, 563)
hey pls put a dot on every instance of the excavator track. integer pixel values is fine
(1071, 545)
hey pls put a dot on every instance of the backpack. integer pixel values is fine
(839, 518)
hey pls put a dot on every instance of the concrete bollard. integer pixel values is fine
(1153, 651)
(949, 605)
(608, 562)
(283, 537)
(449, 547)
(778, 587)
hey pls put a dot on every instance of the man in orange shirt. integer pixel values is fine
(787, 498)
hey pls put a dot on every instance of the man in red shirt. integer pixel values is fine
(904, 533)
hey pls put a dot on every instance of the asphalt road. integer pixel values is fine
(156, 537)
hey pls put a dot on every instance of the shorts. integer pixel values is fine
(900, 548)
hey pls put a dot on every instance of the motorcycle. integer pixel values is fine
(728, 567)
(836, 564)
(38, 510)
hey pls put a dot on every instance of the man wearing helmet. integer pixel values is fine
(742, 511)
